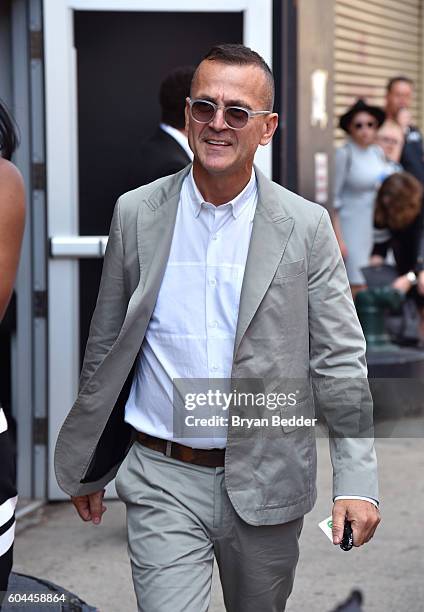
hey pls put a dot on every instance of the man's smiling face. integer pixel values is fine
(217, 149)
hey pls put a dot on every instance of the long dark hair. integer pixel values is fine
(8, 133)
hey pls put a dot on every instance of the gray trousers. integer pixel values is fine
(178, 517)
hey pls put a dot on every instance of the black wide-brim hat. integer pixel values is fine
(361, 106)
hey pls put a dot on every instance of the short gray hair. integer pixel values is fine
(240, 55)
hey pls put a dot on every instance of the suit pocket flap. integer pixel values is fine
(290, 268)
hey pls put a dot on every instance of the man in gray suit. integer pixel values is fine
(218, 273)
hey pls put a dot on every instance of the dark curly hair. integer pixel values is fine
(398, 201)
(8, 133)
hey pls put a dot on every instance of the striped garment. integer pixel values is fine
(8, 499)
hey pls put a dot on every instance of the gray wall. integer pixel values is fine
(315, 51)
(5, 57)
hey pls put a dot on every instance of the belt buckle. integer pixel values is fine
(168, 448)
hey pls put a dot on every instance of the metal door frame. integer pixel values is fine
(62, 176)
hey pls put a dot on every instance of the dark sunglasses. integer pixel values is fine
(235, 117)
(369, 124)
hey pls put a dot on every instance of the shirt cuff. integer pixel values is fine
(368, 499)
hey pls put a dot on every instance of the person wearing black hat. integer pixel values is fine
(360, 166)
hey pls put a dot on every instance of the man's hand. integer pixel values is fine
(402, 284)
(376, 260)
(420, 282)
(363, 516)
(90, 507)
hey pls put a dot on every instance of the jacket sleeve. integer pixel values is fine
(341, 169)
(111, 305)
(338, 368)
(382, 242)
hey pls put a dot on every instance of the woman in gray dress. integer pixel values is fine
(360, 167)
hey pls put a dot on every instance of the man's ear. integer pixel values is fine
(269, 127)
(186, 113)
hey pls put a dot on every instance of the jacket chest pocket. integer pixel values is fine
(283, 308)
(290, 270)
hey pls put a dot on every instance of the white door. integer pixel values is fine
(63, 182)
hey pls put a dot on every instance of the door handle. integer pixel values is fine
(77, 247)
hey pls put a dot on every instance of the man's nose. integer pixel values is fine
(218, 122)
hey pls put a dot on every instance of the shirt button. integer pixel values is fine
(214, 368)
(212, 282)
(213, 324)
(215, 237)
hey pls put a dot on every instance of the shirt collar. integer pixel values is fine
(179, 137)
(238, 204)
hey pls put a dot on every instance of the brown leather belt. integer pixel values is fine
(214, 457)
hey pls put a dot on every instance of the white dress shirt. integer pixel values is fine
(179, 137)
(192, 329)
(3, 422)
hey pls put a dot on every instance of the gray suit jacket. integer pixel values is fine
(296, 321)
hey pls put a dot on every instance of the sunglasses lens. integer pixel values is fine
(202, 111)
(359, 126)
(236, 117)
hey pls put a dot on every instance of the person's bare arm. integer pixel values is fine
(376, 260)
(12, 222)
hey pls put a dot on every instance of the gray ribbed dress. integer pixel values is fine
(358, 174)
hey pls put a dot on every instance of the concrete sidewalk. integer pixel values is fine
(92, 561)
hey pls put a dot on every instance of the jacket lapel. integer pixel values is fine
(271, 231)
(155, 228)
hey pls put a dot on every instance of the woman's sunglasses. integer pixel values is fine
(360, 125)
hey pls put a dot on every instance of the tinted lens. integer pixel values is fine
(202, 111)
(359, 126)
(236, 117)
